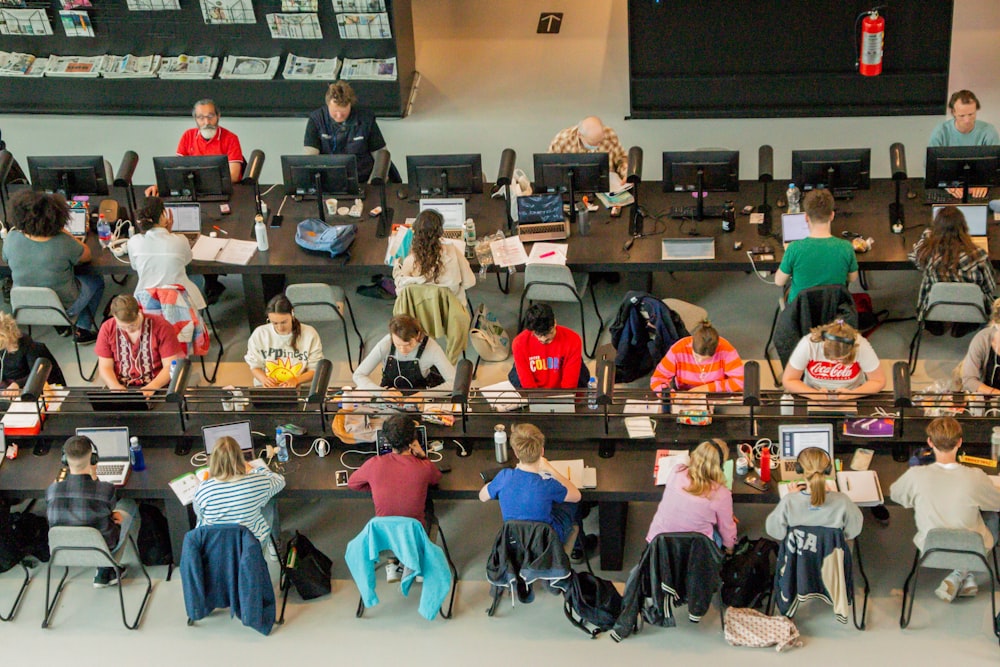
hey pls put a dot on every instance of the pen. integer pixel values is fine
(547, 254)
(220, 229)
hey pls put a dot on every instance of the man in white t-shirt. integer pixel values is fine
(833, 362)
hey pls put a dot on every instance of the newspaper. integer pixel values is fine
(299, 67)
(249, 67)
(379, 69)
(294, 26)
(188, 67)
(21, 64)
(130, 66)
(75, 66)
(364, 26)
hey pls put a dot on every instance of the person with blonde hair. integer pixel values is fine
(833, 361)
(810, 504)
(239, 492)
(434, 260)
(696, 499)
(703, 362)
(18, 353)
(981, 365)
(134, 350)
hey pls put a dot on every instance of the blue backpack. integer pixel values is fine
(314, 234)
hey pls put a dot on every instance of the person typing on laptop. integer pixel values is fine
(134, 351)
(81, 500)
(946, 253)
(160, 257)
(410, 360)
(964, 129)
(546, 355)
(433, 260)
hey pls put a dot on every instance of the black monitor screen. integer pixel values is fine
(445, 175)
(953, 166)
(719, 171)
(193, 176)
(588, 170)
(69, 176)
(833, 169)
(337, 175)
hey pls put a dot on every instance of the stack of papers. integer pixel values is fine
(247, 67)
(130, 66)
(188, 67)
(21, 64)
(666, 461)
(548, 253)
(508, 252)
(574, 471)
(377, 69)
(75, 66)
(640, 427)
(298, 67)
(861, 486)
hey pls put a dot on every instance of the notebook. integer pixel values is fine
(563, 403)
(793, 227)
(976, 216)
(451, 209)
(77, 224)
(238, 431)
(187, 217)
(793, 439)
(112, 450)
(382, 447)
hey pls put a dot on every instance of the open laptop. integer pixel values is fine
(794, 438)
(555, 404)
(118, 401)
(77, 224)
(382, 447)
(976, 217)
(452, 209)
(112, 450)
(793, 227)
(238, 431)
(541, 218)
(187, 218)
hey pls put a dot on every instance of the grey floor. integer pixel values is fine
(86, 628)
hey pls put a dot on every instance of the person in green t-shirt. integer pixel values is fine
(820, 258)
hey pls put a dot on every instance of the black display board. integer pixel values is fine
(119, 31)
(773, 58)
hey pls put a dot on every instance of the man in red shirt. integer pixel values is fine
(546, 355)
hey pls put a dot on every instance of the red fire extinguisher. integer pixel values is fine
(872, 41)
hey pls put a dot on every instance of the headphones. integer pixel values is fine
(798, 465)
(94, 458)
(718, 448)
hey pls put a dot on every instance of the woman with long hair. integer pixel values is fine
(810, 504)
(433, 260)
(702, 362)
(159, 256)
(284, 352)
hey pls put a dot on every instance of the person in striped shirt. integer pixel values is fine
(703, 362)
(237, 492)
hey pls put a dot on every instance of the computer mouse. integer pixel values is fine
(401, 193)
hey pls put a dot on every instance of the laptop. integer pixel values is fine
(793, 439)
(382, 447)
(238, 431)
(556, 404)
(112, 450)
(793, 227)
(451, 209)
(118, 401)
(540, 208)
(187, 217)
(77, 224)
(976, 216)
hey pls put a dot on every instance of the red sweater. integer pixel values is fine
(552, 366)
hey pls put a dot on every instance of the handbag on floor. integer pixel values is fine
(307, 568)
(749, 627)
(489, 338)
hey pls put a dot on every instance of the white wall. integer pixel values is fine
(490, 82)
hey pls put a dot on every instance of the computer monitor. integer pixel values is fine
(572, 173)
(840, 170)
(318, 176)
(69, 175)
(445, 175)
(960, 167)
(194, 177)
(701, 172)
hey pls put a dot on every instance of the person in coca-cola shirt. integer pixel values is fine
(833, 361)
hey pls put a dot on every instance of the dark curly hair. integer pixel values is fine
(39, 214)
(400, 431)
(428, 229)
(149, 214)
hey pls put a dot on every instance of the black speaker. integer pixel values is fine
(765, 164)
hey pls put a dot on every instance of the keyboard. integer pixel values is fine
(454, 234)
(109, 469)
(543, 231)
(692, 211)
(934, 197)
(842, 193)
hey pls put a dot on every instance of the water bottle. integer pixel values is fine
(583, 221)
(793, 196)
(995, 443)
(135, 455)
(260, 231)
(469, 234)
(765, 465)
(103, 231)
(500, 443)
(281, 440)
(592, 393)
(173, 371)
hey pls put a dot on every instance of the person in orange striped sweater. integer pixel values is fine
(703, 362)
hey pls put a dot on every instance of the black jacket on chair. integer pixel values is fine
(811, 308)
(530, 551)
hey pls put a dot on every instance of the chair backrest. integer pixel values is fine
(812, 307)
(954, 540)
(691, 314)
(439, 312)
(38, 305)
(316, 302)
(955, 302)
(562, 288)
(80, 546)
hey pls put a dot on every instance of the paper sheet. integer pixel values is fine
(635, 406)
(508, 252)
(640, 427)
(861, 486)
(576, 472)
(548, 253)
(666, 464)
(502, 396)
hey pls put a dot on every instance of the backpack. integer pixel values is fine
(490, 340)
(591, 603)
(314, 234)
(748, 575)
(31, 534)
(154, 537)
(868, 319)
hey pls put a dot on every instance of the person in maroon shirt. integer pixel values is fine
(134, 351)
(546, 355)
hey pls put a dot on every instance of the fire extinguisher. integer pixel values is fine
(872, 41)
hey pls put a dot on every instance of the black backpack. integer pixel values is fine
(591, 603)
(748, 575)
(154, 537)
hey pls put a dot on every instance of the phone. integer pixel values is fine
(341, 477)
(276, 220)
(755, 481)
(444, 467)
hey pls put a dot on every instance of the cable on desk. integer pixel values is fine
(757, 273)
(354, 451)
(268, 191)
(199, 459)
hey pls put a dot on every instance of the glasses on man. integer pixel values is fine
(209, 116)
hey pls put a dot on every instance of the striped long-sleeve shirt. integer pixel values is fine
(239, 500)
(680, 370)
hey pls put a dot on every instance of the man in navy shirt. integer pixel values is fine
(341, 127)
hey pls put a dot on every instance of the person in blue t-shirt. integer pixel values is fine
(534, 490)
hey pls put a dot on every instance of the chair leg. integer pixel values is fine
(505, 285)
(145, 598)
(50, 605)
(865, 590)
(496, 593)
(20, 595)
(361, 340)
(520, 312)
(908, 593)
(361, 608)
(284, 585)
(600, 320)
(454, 571)
(218, 359)
(915, 347)
(767, 346)
(79, 364)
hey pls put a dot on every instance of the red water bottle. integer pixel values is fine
(765, 465)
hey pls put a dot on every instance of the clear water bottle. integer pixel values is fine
(995, 443)
(592, 393)
(794, 198)
(260, 232)
(281, 440)
(469, 234)
(103, 231)
(173, 370)
(500, 443)
(135, 455)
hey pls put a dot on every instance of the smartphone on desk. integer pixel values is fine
(754, 480)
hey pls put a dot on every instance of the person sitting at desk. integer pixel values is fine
(83, 500)
(703, 362)
(284, 352)
(591, 135)
(946, 494)
(810, 504)
(159, 257)
(342, 127)
(945, 253)
(434, 260)
(546, 355)
(410, 360)
(135, 351)
(835, 359)
(696, 498)
(238, 491)
(18, 353)
(821, 258)
(981, 365)
(41, 252)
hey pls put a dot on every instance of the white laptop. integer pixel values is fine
(112, 451)
(976, 217)
(793, 227)
(238, 431)
(77, 224)
(452, 209)
(792, 439)
(554, 404)
(187, 217)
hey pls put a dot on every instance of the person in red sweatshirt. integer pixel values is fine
(546, 355)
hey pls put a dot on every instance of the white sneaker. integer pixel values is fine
(968, 589)
(272, 553)
(393, 573)
(949, 586)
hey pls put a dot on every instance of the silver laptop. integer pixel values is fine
(976, 217)
(794, 438)
(793, 227)
(77, 224)
(112, 451)
(561, 403)
(451, 209)
(238, 431)
(187, 217)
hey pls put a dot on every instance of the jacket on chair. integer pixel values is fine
(811, 308)
(814, 562)
(643, 332)
(530, 551)
(440, 314)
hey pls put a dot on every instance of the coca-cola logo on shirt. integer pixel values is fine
(833, 371)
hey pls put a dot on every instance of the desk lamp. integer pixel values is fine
(460, 389)
(634, 176)
(505, 175)
(6, 160)
(33, 389)
(751, 391)
(254, 166)
(379, 177)
(605, 397)
(765, 174)
(177, 387)
(123, 179)
(318, 388)
(897, 165)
